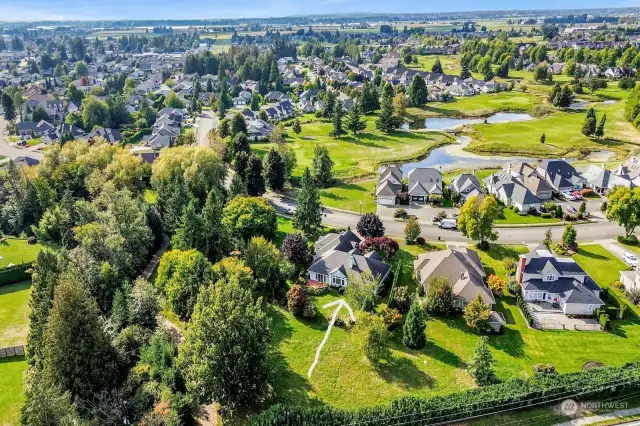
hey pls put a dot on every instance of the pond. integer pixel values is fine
(446, 123)
(451, 157)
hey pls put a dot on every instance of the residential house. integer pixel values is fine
(511, 192)
(466, 185)
(561, 175)
(601, 180)
(424, 182)
(258, 129)
(559, 281)
(530, 178)
(389, 185)
(338, 256)
(112, 136)
(31, 128)
(463, 270)
(630, 279)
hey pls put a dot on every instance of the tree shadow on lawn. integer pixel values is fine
(444, 355)
(404, 372)
(584, 252)
(15, 287)
(366, 139)
(509, 342)
(508, 315)
(289, 387)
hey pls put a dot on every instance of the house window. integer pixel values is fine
(321, 278)
(339, 281)
(549, 277)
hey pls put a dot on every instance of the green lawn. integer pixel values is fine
(14, 250)
(355, 196)
(14, 313)
(11, 390)
(14, 327)
(440, 367)
(509, 217)
(361, 156)
(563, 136)
(479, 105)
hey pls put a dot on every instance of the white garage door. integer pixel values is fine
(387, 201)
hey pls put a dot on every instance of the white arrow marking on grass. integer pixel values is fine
(340, 304)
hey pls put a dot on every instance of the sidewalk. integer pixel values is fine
(602, 417)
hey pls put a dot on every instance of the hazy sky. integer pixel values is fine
(31, 10)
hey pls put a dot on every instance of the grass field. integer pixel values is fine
(440, 367)
(480, 105)
(509, 217)
(354, 196)
(14, 327)
(14, 250)
(361, 156)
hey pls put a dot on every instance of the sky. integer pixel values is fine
(37, 10)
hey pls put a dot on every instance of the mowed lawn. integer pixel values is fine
(359, 156)
(440, 367)
(354, 196)
(480, 105)
(563, 135)
(510, 217)
(14, 327)
(14, 250)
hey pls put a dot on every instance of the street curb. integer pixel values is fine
(326, 207)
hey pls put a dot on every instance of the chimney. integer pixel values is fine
(462, 275)
(352, 261)
(603, 165)
(521, 264)
(509, 168)
(473, 172)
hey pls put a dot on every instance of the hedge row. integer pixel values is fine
(599, 382)
(525, 310)
(391, 302)
(618, 302)
(15, 273)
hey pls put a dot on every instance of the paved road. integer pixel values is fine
(7, 150)
(207, 121)
(586, 232)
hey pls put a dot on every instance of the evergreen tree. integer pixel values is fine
(255, 180)
(241, 163)
(481, 365)
(172, 201)
(296, 126)
(78, 356)
(338, 113)
(589, 124)
(386, 121)
(238, 187)
(224, 355)
(329, 105)
(369, 98)
(413, 331)
(255, 102)
(274, 170)
(241, 143)
(353, 122)
(548, 239)
(308, 214)
(417, 91)
(554, 96)
(238, 125)
(209, 88)
(322, 165)
(189, 227)
(600, 128)
(437, 67)
(46, 270)
(543, 138)
(464, 71)
(566, 97)
(213, 235)
(8, 107)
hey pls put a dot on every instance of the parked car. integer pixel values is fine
(571, 210)
(289, 211)
(629, 258)
(448, 224)
(568, 196)
(577, 195)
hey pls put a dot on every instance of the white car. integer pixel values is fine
(629, 258)
(568, 196)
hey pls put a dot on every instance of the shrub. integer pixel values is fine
(618, 285)
(392, 318)
(402, 299)
(317, 290)
(633, 294)
(542, 369)
(386, 246)
(496, 284)
(629, 241)
(546, 215)
(400, 214)
(604, 321)
(309, 310)
(586, 192)
(420, 240)
(513, 287)
(439, 216)
(533, 211)
(509, 265)
(297, 299)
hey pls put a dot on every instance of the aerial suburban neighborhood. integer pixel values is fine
(348, 214)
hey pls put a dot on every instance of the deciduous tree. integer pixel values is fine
(477, 217)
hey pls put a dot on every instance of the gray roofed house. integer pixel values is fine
(424, 182)
(558, 281)
(602, 180)
(110, 135)
(338, 256)
(389, 185)
(511, 192)
(466, 185)
(561, 175)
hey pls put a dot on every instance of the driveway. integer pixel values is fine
(11, 151)
(206, 122)
(424, 212)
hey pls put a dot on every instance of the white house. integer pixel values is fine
(630, 279)
(545, 278)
